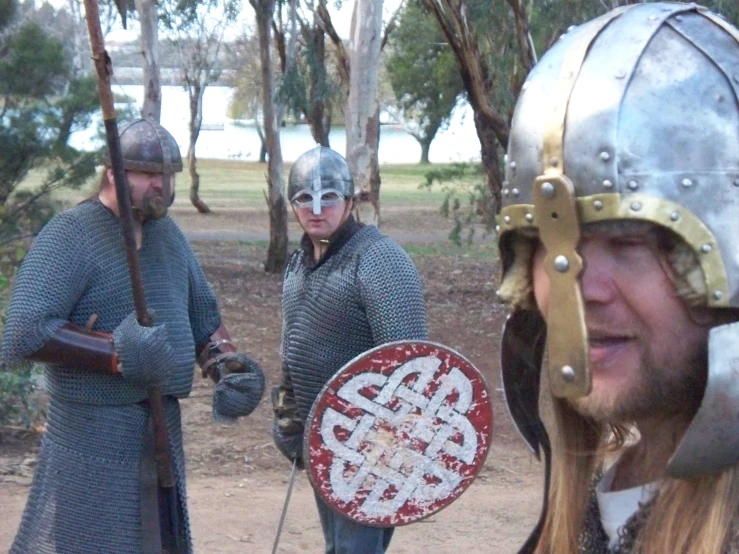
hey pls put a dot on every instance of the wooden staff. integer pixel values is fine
(103, 67)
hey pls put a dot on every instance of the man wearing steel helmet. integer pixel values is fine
(347, 289)
(619, 236)
(94, 489)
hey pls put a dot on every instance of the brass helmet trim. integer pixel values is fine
(678, 219)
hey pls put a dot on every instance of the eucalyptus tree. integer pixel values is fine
(424, 76)
(197, 31)
(358, 67)
(277, 249)
(308, 87)
(246, 102)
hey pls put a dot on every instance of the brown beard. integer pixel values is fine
(660, 391)
(154, 207)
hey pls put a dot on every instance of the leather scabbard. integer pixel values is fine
(74, 346)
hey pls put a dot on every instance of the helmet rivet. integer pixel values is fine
(505, 159)
(718, 295)
(706, 248)
(513, 165)
(674, 216)
(570, 28)
(505, 192)
(620, 74)
(525, 85)
(605, 156)
(636, 206)
(686, 183)
(529, 218)
(598, 205)
(652, 18)
(561, 264)
(507, 219)
(678, 18)
(497, 228)
(607, 184)
(547, 189)
(554, 162)
(568, 374)
(515, 192)
(633, 185)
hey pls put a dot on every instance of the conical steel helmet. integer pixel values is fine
(147, 146)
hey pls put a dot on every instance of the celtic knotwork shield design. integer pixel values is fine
(398, 433)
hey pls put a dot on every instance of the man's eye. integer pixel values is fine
(303, 198)
(330, 196)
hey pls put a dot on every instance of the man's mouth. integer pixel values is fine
(603, 345)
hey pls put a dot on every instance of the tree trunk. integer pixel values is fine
(196, 119)
(316, 113)
(152, 107)
(490, 157)
(425, 147)
(362, 128)
(277, 249)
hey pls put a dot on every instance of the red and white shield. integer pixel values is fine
(398, 433)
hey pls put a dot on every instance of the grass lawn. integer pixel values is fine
(243, 184)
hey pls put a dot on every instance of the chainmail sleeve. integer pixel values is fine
(51, 279)
(391, 292)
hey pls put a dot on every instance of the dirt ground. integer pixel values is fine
(237, 480)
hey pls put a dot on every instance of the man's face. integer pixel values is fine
(322, 225)
(647, 354)
(149, 198)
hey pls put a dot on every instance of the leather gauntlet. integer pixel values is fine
(77, 347)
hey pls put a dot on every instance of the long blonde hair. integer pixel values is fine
(689, 516)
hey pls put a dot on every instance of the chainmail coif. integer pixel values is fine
(365, 294)
(85, 495)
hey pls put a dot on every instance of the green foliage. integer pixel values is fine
(43, 102)
(468, 200)
(423, 73)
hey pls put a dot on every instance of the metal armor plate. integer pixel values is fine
(398, 433)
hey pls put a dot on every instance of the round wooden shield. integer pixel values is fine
(398, 433)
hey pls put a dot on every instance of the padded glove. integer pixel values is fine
(144, 354)
(237, 393)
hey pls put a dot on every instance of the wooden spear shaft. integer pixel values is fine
(103, 68)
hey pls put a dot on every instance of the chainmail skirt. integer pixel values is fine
(85, 496)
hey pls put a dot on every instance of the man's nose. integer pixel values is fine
(598, 274)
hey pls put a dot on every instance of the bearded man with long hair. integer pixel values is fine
(619, 235)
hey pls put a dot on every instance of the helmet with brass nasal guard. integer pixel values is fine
(631, 116)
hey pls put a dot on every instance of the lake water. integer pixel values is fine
(236, 140)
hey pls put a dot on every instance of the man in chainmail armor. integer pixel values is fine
(347, 289)
(619, 235)
(72, 310)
